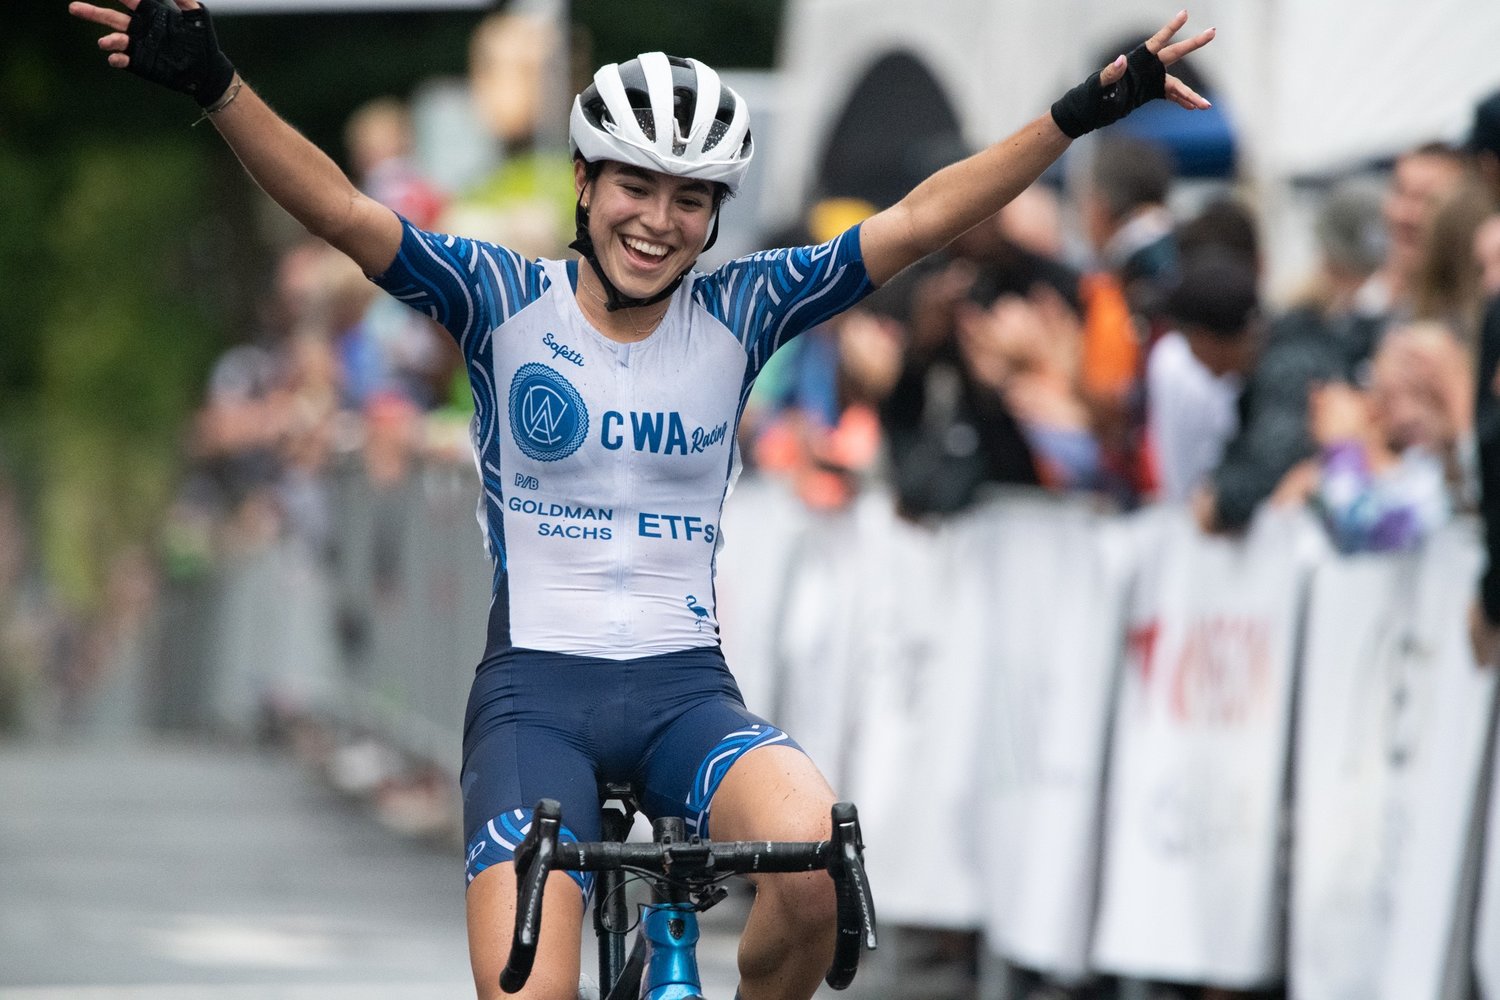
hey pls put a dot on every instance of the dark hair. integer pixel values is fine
(1349, 227)
(1224, 224)
(593, 168)
(1215, 292)
(1484, 134)
(1129, 173)
(1456, 155)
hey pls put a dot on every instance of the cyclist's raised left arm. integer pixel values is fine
(961, 195)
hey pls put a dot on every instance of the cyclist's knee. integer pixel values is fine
(491, 918)
(804, 902)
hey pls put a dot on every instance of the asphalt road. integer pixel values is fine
(179, 870)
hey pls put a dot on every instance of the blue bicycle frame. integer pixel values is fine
(664, 963)
(670, 931)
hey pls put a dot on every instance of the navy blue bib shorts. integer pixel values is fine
(556, 725)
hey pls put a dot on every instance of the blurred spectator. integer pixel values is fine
(387, 347)
(1224, 225)
(1196, 371)
(1484, 612)
(391, 440)
(1484, 615)
(1487, 255)
(1351, 238)
(1484, 144)
(528, 203)
(1388, 469)
(235, 446)
(1446, 286)
(311, 399)
(379, 139)
(1364, 283)
(992, 388)
(269, 422)
(813, 416)
(1109, 362)
(1028, 351)
(369, 354)
(1421, 180)
(20, 653)
(1126, 219)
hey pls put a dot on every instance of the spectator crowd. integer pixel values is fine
(1112, 336)
(1153, 367)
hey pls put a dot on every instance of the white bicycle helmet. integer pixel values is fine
(664, 113)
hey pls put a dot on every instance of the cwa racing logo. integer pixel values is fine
(547, 417)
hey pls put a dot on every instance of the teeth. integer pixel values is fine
(654, 249)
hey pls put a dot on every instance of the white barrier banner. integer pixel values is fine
(1487, 923)
(1193, 815)
(764, 524)
(1392, 730)
(1055, 633)
(914, 765)
(826, 624)
(293, 666)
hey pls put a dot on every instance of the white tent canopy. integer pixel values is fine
(1311, 87)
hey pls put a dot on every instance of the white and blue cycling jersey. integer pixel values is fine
(604, 466)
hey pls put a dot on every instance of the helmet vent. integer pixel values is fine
(646, 122)
(715, 133)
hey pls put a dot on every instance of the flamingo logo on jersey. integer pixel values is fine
(547, 417)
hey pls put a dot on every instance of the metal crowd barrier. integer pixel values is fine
(1237, 762)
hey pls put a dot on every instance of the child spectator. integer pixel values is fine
(1387, 471)
(1195, 372)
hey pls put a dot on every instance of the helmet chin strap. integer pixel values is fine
(613, 300)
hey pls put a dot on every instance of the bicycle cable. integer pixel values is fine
(653, 878)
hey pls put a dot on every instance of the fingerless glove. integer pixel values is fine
(178, 49)
(1091, 105)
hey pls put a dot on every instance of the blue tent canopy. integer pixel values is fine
(1202, 143)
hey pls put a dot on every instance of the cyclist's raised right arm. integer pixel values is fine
(296, 174)
(302, 179)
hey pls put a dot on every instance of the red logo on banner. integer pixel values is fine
(1140, 644)
(1222, 675)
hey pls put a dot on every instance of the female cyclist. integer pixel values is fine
(608, 389)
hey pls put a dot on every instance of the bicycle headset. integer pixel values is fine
(662, 113)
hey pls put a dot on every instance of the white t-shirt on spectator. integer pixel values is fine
(1191, 414)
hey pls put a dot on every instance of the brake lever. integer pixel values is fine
(533, 862)
(856, 905)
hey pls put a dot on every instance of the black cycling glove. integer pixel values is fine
(1092, 105)
(178, 49)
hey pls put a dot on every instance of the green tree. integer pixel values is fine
(130, 250)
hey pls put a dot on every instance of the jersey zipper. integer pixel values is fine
(625, 490)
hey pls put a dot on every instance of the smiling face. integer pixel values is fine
(647, 227)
